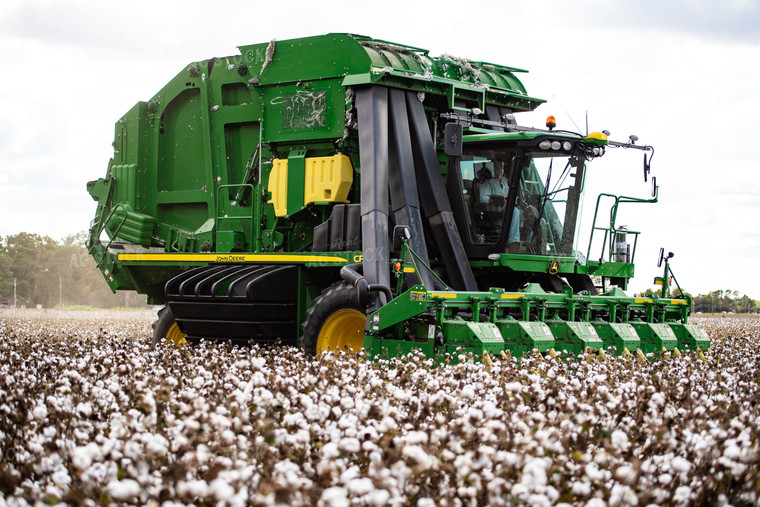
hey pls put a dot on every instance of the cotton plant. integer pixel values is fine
(92, 413)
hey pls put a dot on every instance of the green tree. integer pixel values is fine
(50, 273)
(6, 274)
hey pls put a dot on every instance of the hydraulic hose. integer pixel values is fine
(352, 274)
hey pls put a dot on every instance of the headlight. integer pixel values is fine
(556, 145)
(567, 145)
(545, 145)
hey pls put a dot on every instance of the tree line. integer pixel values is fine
(719, 301)
(728, 301)
(54, 273)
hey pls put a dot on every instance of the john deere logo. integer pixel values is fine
(554, 267)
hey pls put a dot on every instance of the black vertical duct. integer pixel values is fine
(372, 112)
(403, 185)
(435, 201)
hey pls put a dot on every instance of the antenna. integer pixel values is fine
(568, 114)
(586, 122)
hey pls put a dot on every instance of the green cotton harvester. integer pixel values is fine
(343, 192)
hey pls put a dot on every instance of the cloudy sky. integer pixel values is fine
(683, 75)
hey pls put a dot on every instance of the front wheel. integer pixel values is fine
(166, 327)
(335, 321)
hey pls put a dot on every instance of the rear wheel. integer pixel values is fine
(335, 321)
(166, 327)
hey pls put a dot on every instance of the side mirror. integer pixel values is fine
(453, 134)
(646, 167)
(663, 257)
(648, 163)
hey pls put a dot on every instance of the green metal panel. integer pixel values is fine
(574, 337)
(125, 177)
(521, 337)
(130, 226)
(182, 154)
(618, 335)
(655, 337)
(478, 336)
(296, 176)
(307, 110)
(690, 336)
(305, 59)
(229, 241)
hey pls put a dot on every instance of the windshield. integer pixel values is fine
(539, 195)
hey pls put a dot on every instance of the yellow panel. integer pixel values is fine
(278, 186)
(328, 179)
(201, 257)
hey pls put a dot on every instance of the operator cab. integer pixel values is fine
(520, 197)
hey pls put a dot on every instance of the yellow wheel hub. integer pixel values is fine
(343, 329)
(175, 335)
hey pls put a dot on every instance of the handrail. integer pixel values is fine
(611, 231)
(102, 227)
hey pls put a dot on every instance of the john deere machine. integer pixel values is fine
(343, 192)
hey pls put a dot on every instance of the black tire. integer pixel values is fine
(339, 296)
(164, 323)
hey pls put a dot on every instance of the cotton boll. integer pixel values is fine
(581, 488)
(40, 411)
(126, 489)
(622, 495)
(417, 437)
(377, 497)
(350, 444)
(620, 440)
(593, 473)
(80, 458)
(221, 490)
(360, 486)
(193, 488)
(387, 424)
(732, 451)
(534, 473)
(419, 457)
(84, 409)
(334, 497)
(330, 450)
(682, 495)
(680, 465)
(625, 474)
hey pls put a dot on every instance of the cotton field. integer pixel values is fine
(92, 413)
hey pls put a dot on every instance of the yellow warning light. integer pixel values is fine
(551, 122)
